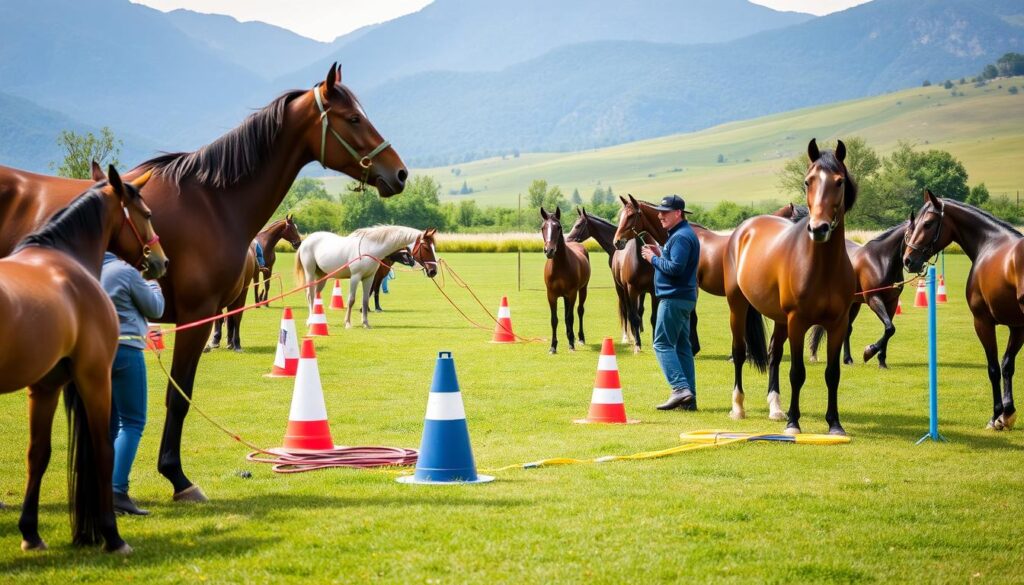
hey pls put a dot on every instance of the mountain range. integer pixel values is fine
(462, 79)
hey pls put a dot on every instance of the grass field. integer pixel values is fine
(983, 128)
(877, 510)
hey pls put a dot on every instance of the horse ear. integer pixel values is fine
(333, 76)
(930, 197)
(623, 200)
(633, 200)
(543, 214)
(583, 211)
(142, 179)
(430, 232)
(97, 172)
(288, 218)
(812, 150)
(558, 213)
(911, 218)
(840, 151)
(114, 178)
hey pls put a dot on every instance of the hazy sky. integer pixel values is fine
(326, 19)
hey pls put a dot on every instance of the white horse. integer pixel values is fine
(323, 252)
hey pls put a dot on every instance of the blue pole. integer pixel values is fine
(933, 377)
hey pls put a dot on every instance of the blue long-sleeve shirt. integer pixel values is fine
(134, 298)
(675, 271)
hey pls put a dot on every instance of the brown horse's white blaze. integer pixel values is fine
(566, 276)
(797, 274)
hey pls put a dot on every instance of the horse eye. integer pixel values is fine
(807, 183)
(354, 120)
(839, 183)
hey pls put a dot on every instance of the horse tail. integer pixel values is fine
(623, 308)
(83, 475)
(757, 347)
(814, 342)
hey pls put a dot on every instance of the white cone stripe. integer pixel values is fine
(291, 343)
(504, 313)
(607, 363)
(308, 398)
(318, 318)
(279, 357)
(445, 406)
(606, 396)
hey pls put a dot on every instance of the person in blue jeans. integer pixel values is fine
(675, 285)
(135, 300)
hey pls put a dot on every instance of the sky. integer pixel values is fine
(324, 20)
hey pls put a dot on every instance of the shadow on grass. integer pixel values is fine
(911, 428)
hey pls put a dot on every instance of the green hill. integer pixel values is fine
(984, 129)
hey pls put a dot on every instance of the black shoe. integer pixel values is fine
(678, 398)
(690, 406)
(124, 505)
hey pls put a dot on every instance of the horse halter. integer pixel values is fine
(415, 250)
(928, 250)
(144, 245)
(632, 227)
(365, 161)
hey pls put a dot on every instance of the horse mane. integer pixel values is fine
(889, 231)
(970, 208)
(830, 163)
(601, 220)
(388, 235)
(234, 156)
(65, 229)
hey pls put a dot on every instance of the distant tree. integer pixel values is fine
(318, 215)
(978, 196)
(419, 206)
(1013, 90)
(536, 193)
(861, 160)
(721, 158)
(926, 83)
(948, 84)
(576, 199)
(465, 190)
(80, 150)
(1005, 208)
(362, 209)
(1010, 64)
(989, 72)
(962, 81)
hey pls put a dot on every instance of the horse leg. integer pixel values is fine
(366, 301)
(215, 341)
(654, 316)
(738, 307)
(633, 310)
(623, 312)
(836, 339)
(375, 291)
(694, 338)
(579, 312)
(986, 331)
(570, 305)
(553, 305)
(878, 307)
(847, 355)
(1009, 416)
(235, 331)
(778, 341)
(353, 285)
(188, 349)
(797, 372)
(42, 403)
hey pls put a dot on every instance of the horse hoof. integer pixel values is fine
(736, 414)
(367, 326)
(869, 352)
(348, 325)
(792, 431)
(207, 349)
(552, 351)
(777, 415)
(994, 425)
(572, 349)
(848, 361)
(27, 546)
(191, 494)
(813, 359)
(125, 549)
(1008, 421)
(378, 310)
(236, 349)
(837, 431)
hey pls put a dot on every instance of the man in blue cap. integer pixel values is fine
(675, 285)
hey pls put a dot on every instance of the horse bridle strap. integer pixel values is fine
(145, 246)
(415, 249)
(930, 246)
(365, 161)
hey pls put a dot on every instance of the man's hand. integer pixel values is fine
(649, 251)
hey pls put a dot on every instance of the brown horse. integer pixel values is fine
(49, 293)
(566, 275)
(602, 231)
(211, 203)
(403, 257)
(797, 274)
(268, 238)
(878, 264)
(995, 285)
(234, 321)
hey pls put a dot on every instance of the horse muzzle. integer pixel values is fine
(389, 184)
(549, 254)
(820, 233)
(911, 264)
(154, 266)
(620, 244)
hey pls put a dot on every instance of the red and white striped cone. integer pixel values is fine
(503, 328)
(317, 319)
(921, 298)
(307, 421)
(899, 307)
(337, 298)
(940, 293)
(606, 405)
(154, 337)
(286, 360)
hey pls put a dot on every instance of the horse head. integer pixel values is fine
(925, 235)
(633, 222)
(291, 232)
(424, 251)
(343, 138)
(140, 240)
(581, 228)
(551, 231)
(831, 192)
(403, 257)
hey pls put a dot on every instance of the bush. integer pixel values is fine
(1013, 90)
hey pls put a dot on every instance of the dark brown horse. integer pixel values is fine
(878, 264)
(797, 274)
(404, 257)
(234, 321)
(566, 276)
(209, 205)
(268, 238)
(50, 294)
(602, 231)
(995, 285)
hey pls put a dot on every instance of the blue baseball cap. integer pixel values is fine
(672, 203)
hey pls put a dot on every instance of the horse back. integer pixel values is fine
(995, 285)
(28, 200)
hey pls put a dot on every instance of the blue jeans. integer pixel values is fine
(259, 255)
(127, 411)
(672, 344)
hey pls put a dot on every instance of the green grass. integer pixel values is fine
(983, 129)
(877, 510)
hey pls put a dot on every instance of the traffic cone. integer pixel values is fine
(317, 320)
(921, 299)
(445, 454)
(940, 293)
(606, 404)
(154, 338)
(503, 328)
(307, 421)
(899, 307)
(286, 360)
(337, 298)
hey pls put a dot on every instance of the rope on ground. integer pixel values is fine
(461, 283)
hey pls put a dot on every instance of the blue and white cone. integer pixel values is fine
(445, 454)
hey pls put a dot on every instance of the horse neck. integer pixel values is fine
(888, 251)
(654, 227)
(561, 257)
(603, 234)
(90, 246)
(269, 237)
(974, 231)
(824, 255)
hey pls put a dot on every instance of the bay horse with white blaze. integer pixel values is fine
(566, 275)
(50, 294)
(208, 206)
(995, 284)
(282, 229)
(797, 274)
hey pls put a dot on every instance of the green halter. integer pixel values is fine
(365, 162)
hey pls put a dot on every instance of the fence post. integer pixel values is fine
(933, 382)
